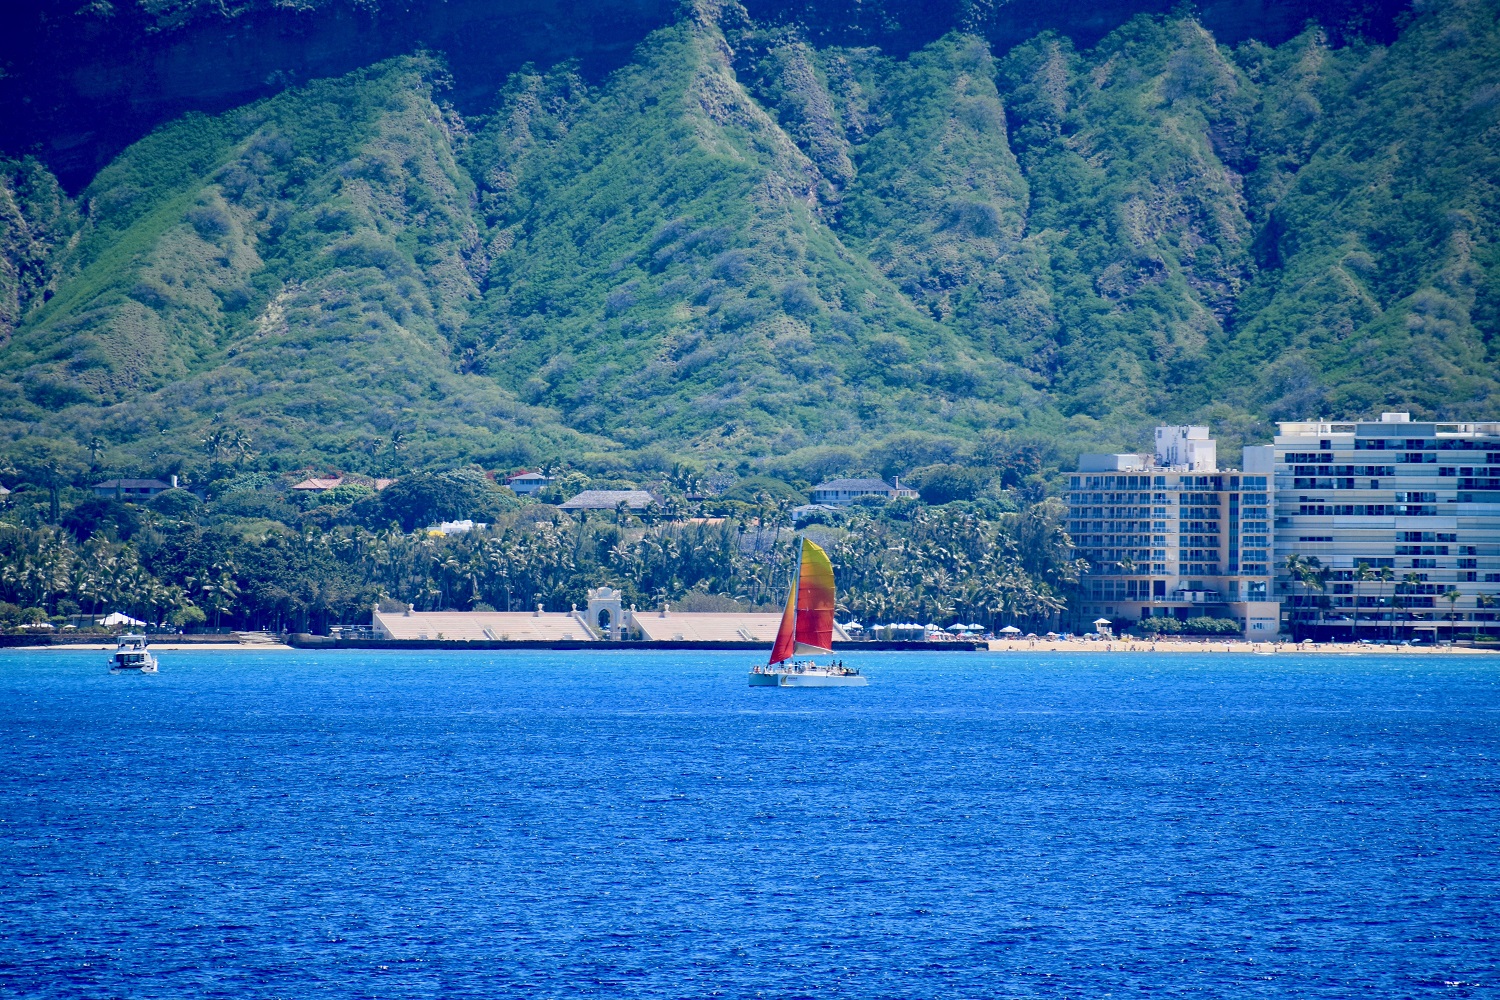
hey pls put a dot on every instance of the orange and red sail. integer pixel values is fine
(807, 623)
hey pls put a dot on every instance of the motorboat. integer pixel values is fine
(131, 654)
(807, 630)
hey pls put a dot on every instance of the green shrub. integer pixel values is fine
(175, 503)
(1210, 626)
(345, 493)
(187, 616)
(424, 498)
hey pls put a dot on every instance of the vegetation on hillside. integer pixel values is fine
(751, 254)
(256, 556)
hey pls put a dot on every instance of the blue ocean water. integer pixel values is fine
(376, 824)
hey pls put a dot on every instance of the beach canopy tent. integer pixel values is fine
(975, 627)
(118, 618)
(854, 627)
(1010, 630)
(958, 628)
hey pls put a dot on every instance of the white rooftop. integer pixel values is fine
(546, 626)
(704, 626)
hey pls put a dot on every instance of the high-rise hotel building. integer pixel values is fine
(1171, 534)
(1415, 502)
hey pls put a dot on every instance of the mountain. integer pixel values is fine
(748, 245)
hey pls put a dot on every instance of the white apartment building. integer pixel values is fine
(1415, 502)
(1171, 534)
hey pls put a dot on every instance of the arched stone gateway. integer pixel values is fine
(605, 613)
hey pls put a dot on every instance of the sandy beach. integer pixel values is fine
(168, 646)
(1218, 646)
(996, 646)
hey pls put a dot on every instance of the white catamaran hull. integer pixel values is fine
(823, 680)
(807, 677)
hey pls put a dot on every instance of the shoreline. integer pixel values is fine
(171, 647)
(996, 646)
(1257, 648)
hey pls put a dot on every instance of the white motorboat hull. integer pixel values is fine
(131, 654)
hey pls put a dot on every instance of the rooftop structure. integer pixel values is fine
(703, 626)
(325, 483)
(1399, 514)
(133, 488)
(456, 527)
(319, 485)
(526, 483)
(609, 500)
(543, 626)
(1186, 449)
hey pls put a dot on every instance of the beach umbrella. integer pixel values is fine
(957, 628)
(975, 627)
(930, 627)
(1010, 630)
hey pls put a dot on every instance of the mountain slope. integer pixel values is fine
(743, 246)
(299, 266)
(1380, 266)
(669, 271)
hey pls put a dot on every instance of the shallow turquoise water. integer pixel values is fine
(260, 824)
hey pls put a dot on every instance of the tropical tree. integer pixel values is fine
(1387, 575)
(1452, 595)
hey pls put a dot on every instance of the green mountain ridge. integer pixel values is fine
(746, 248)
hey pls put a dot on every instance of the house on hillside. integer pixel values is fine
(609, 500)
(325, 483)
(317, 485)
(526, 483)
(133, 489)
(456, 527)
(846, 491)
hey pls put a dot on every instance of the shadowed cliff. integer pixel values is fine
(83, 81)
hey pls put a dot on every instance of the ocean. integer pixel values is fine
(644, 824)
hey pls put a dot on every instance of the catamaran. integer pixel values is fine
(807, 629)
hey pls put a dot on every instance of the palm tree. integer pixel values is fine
(1315, 577)
(1452, 595)
(1386, 576)
(1364, 574)
(1308, 571)
(1411, 581)
(1295, 566)
(1483, 601)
